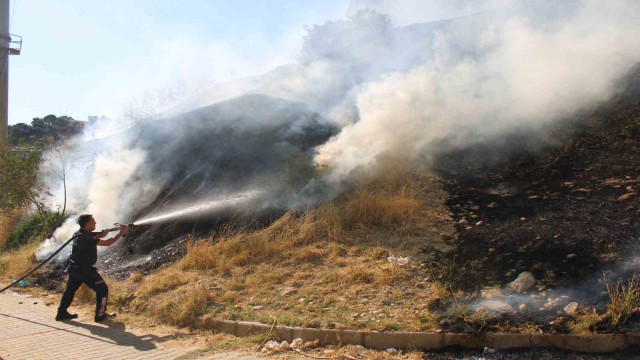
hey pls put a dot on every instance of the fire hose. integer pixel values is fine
(118, 226)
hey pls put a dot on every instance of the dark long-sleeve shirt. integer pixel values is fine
(84, 252)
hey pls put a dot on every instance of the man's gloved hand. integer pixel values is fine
(123, 230)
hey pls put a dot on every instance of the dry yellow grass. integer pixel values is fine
(370, 208)
(165, 280)
(16, 263)
(326, 266)
(85, 295)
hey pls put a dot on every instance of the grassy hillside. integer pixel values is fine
(324, 267)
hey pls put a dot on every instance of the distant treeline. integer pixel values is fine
(48, 127)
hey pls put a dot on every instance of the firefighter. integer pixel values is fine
(82, 270)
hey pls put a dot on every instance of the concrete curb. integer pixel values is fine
(596, 343)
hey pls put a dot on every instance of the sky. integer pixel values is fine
(87, 57)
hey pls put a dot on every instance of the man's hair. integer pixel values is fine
(83, 219)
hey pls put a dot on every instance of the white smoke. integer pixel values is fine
(523, 76)
(108, 195)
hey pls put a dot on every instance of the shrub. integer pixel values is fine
(33, 229)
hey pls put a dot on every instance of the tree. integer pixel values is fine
(50, 126)
(19, 184)
(364, 36)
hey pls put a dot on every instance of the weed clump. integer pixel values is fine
(624, 300)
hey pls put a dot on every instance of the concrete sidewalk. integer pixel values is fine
(28, 331)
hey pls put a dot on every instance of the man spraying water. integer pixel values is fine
(84, 254)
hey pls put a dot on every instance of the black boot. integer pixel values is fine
(101, 318)
(64, 315)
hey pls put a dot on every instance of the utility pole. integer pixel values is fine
(9, 45)
(5, 39)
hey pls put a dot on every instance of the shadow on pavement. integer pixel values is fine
(117, 333)
(113, 333)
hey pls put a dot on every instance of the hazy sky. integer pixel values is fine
(86, 57)
(89, 57)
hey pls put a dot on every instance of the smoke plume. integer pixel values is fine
(521, 75)
(363, 89)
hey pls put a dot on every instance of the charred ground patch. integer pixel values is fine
(561, 212)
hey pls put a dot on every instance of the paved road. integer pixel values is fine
(28, 331)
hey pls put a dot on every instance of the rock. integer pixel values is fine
(492, 251)
(474, 208)
(523, 219)
(571, 308)
(463, 221)
(627, 196)
(552, 303)
(522, 307)
(257, 307)
(496, 306)
(523, 282)
(480, 223)
(571, 256)
(313, 324)
(288, 291)
(491, 293)
(301, 300)
(492, 205)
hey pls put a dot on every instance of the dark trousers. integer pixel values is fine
(93, 280)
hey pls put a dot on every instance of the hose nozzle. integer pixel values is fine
(119, 226)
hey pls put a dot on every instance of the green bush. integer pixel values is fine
(32, 229)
